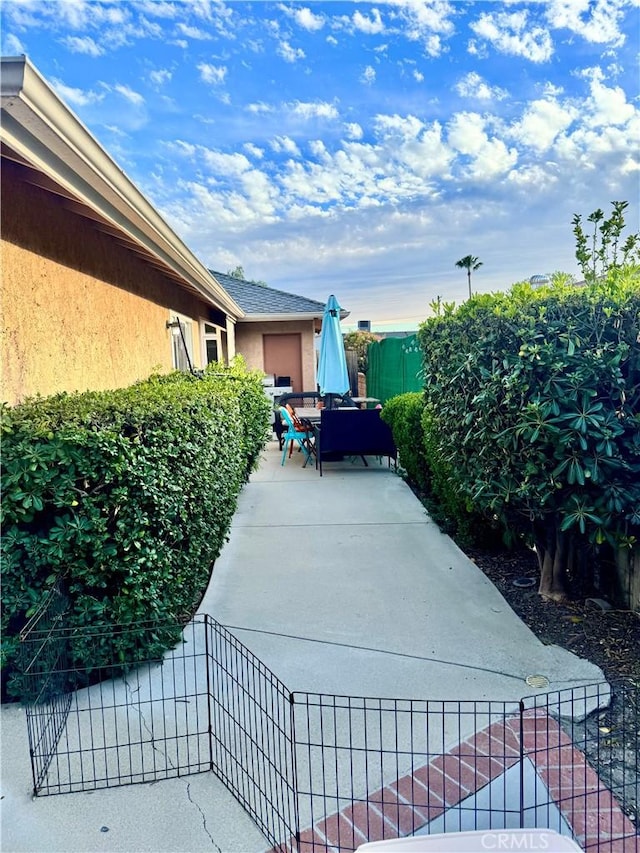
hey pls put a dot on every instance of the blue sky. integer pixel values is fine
(356, 148)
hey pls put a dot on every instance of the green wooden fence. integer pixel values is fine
(395, 366)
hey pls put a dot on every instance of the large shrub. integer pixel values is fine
(536, 399)
(126, 497)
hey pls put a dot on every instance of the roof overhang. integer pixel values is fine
(287, 317)
(42, 134)
(282, 318)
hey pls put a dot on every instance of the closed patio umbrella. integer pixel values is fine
(333, 377)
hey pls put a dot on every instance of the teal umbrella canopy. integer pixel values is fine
(333, 377)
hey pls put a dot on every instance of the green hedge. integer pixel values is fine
(416, 435)
(127, 496)
(535, 398)
(404, 416)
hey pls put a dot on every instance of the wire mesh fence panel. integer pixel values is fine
(40, 680)
(372, 769)
(585, 745)
(127, 721)
(252, 735)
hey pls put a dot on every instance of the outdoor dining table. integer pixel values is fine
(364, 401)
(309, 413)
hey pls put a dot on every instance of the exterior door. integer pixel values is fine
(283, 357)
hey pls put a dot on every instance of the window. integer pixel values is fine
(181, 342)
(210, 346)
(214, 343)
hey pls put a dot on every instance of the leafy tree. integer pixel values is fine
(440, 308)
(359, 341)
(238, 272)
(602, 251)
(469, 263)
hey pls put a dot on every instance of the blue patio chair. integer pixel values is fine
(296, 431)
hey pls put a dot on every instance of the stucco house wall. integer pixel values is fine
(249, 342)
(78, 311)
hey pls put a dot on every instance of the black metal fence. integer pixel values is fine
(320, 772)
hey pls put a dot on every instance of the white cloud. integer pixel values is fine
(472, 85)
(397, 126)
(318, 149)
(259, 108)
(597, 22)
(306, 19)
(83, 14)
(84, 45)
(229, 165)
(426, 21)
(510, 33)
(542, 122)
(159, 8)
(213, 74)
(128, 94)
(12, 46)
(317, 109)
(489, 157)
(536, 179)
(160, 76)
(371, 25)
(368, 76)
(606, 105)
(427, 155)
(288, 53)
(418, 75)
(284, 144)
(75, 97)
(252, 149)
(354, 131)
(193, 32)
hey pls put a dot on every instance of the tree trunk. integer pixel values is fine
(553, 552)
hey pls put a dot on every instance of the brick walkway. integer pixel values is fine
(410, 803)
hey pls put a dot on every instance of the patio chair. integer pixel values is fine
(279, 427)
(296, 431)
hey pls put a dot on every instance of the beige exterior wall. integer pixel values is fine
(249, 343)
(79, 310)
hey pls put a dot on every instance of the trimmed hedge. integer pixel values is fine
(127, 496)
(404, 416)
(416, 435)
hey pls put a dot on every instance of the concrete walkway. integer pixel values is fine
(340, 584)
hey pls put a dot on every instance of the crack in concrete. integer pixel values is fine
(204, 817)
(131, 691)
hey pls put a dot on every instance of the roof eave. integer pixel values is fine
(288, 317)
(283, 317)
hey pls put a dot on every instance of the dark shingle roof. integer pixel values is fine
(259, 299)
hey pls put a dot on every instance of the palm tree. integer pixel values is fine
(469, 263)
